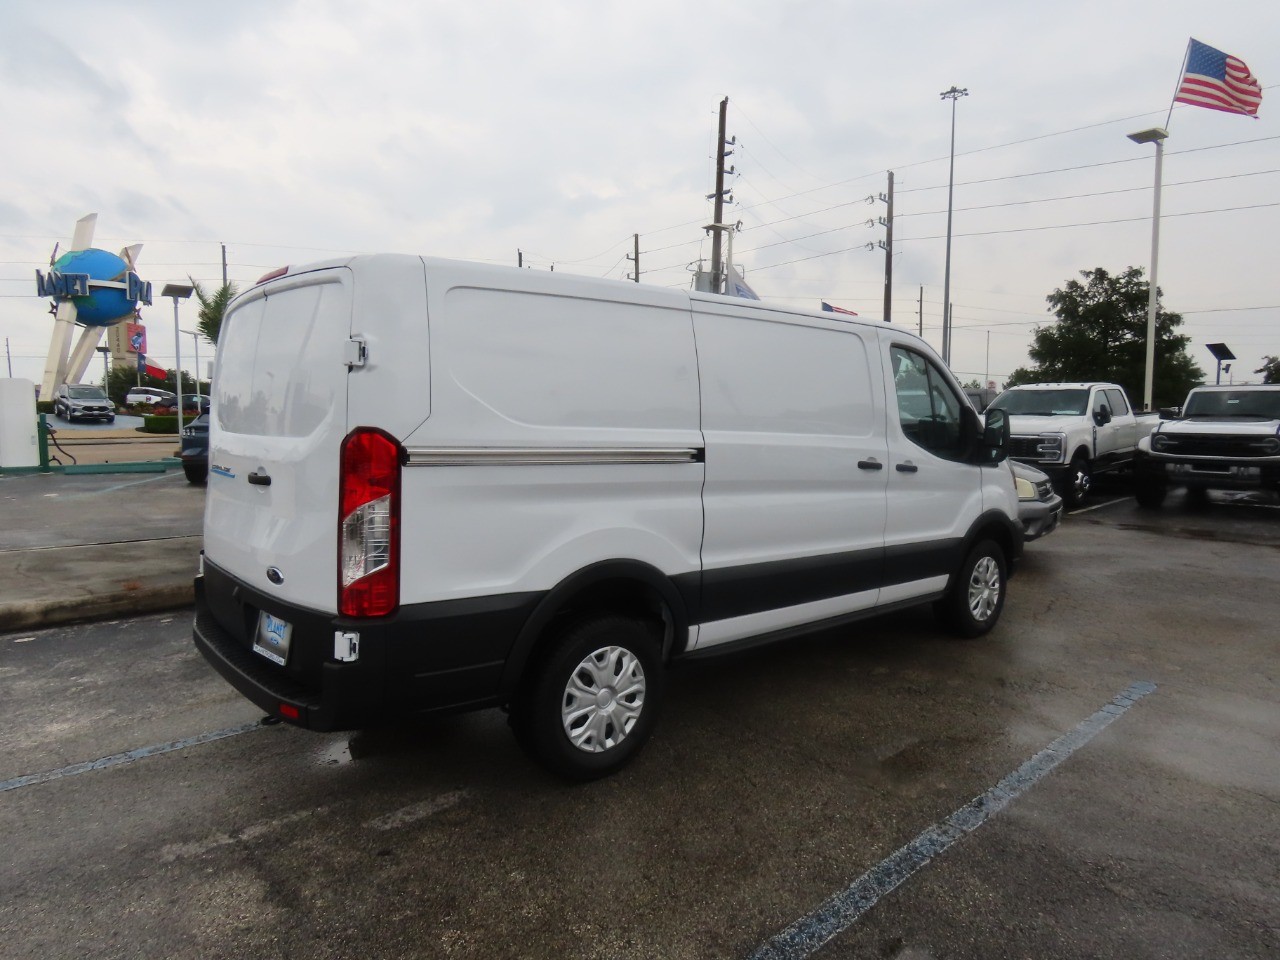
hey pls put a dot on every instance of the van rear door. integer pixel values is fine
(278, 418)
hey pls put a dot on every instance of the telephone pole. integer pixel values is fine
(717, 267)
(888, 250)
(636, 259)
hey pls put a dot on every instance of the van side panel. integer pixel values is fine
(563, 432)
(794, 527)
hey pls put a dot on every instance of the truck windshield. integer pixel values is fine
(1262, 404)
(1043, 403)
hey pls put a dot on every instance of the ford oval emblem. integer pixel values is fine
(275, 576)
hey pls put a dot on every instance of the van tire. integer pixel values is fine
(555, 708)
(976, 598)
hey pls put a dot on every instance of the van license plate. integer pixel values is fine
(272, 638)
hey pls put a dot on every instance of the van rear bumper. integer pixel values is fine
(434, 657)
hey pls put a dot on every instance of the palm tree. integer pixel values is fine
(212, 307)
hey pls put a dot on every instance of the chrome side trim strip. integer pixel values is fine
(546, 456)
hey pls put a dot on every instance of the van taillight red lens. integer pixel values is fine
(369, 525)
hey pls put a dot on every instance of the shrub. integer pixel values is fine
(154, 424)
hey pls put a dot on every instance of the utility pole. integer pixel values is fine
(888, 250)
(636, 259)
(717, 268)
(224, 281)
(519, 257)
(921, 328)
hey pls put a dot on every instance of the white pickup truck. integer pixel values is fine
(1073, 431)
(1225, 438)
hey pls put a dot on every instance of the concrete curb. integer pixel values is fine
(29, 614)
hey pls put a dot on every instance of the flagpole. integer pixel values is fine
(1178, 86)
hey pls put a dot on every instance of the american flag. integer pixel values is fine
(1218, 81)
(830, 309)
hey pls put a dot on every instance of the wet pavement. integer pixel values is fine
(149, 815)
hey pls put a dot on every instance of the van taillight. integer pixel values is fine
(369, 525)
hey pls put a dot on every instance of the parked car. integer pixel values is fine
(1039, 506)
(193, 404)
(148, 395)
(82, 401)
(1226, 438)
(194, 452)
(1073, 431)
(551, 491)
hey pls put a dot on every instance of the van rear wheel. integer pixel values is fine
(590, 704)
(974, 603)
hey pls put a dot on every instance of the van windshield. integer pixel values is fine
(1043, 403)
(1263, 404)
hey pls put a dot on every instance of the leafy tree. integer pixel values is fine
(213, 305)
(1270, 370)
(1101, 334)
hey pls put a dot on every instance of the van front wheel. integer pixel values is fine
(974, 603)
(591, 703)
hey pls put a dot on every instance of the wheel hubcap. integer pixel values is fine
(984, 589)
(603, 699)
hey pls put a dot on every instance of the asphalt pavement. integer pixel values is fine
(76, 547)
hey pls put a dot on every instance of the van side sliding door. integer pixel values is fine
(796, 457)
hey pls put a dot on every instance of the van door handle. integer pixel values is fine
(872, 464)
(907, 467)
(260, 479)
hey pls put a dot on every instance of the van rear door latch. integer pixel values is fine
(357, 352)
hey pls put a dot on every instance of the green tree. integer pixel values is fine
(1270, 370)
(1101, 334)
(213, 305)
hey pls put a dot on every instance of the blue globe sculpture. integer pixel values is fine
(104, 306)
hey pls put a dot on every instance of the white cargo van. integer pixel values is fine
(445, 486)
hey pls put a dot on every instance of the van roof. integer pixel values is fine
(510, 277)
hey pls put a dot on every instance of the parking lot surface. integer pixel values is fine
(147, 814)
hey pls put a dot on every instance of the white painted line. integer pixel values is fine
(417, 811)
(1099, 506)
(809, 934)
(118, 759)
(181, 851)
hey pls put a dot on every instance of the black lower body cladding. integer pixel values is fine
(426, 658)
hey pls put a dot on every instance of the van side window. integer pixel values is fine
(928, 408)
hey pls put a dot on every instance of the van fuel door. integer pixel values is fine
(357, 352)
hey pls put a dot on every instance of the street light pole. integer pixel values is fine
(1156, 135)
(195, 336)
(954, 94)
(177, 291)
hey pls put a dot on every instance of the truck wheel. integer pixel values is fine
(973, 605)
(1076, 483)
(591, 703)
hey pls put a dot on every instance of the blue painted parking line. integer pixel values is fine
(118, 759)
(838, 913)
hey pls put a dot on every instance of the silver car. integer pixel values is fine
(1039, 506)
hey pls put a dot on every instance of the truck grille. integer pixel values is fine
(1209, 445)
(1028, 448)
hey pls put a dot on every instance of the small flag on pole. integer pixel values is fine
(150, 368)
(830, 309)
(1219, 81)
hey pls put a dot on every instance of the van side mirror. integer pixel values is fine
(994, 446)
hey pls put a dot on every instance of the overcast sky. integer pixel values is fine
(297, 131)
